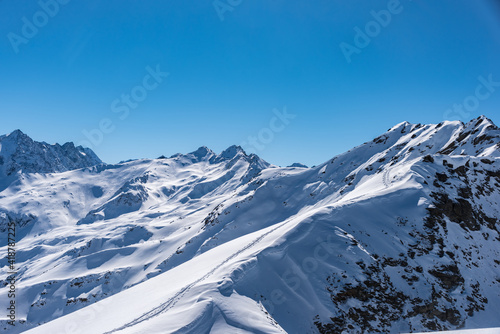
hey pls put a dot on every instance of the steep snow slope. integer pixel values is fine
(400, 234)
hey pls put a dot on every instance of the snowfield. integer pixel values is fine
(398, 235)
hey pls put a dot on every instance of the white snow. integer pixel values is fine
(207, 243)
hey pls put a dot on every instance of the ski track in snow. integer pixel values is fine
(385, 178)
(170, 303)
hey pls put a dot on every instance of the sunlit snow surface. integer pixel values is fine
(226, 243)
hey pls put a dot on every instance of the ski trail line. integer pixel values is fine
(385, 178)
(173, 300)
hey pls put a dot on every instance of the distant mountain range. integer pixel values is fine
(399, 234)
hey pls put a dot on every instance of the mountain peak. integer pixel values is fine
(400, 126)
(481, 121)
(15, 135)
(16, 132)
(298, 165)
(231, 152)
(18, 152)
(202, 152)
(479, 137)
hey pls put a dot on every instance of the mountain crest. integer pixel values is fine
(18, 152)
(390, 236)
(17, 134)
(231, 152)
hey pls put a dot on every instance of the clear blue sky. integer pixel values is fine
(226, 77)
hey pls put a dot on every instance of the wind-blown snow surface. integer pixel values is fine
(400, 234)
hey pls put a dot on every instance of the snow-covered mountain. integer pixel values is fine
(400, 234)
(18, 152)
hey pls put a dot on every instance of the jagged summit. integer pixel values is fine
(231, 152)
(480, 124)
(482, 119)
(18, 152)
(202, 152)
(231, 155)
(16, 134)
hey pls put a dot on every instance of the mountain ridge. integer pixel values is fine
(465, 133)
(387, 236)
(19, 152)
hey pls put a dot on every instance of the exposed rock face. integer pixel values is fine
(18, 152)
(463, 191)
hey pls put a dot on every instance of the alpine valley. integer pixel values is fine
(397, 235)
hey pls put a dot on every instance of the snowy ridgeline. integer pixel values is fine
(400, 234)
(18, 152)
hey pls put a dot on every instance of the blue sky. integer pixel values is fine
(233, 66)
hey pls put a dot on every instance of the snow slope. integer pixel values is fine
(400, 234)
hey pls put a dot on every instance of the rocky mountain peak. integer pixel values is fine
(18, 152)
(231, 152)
